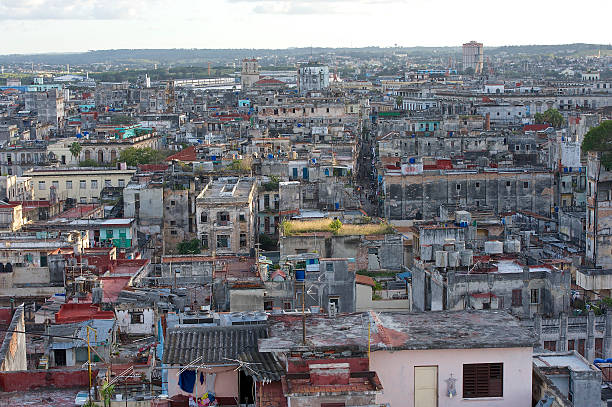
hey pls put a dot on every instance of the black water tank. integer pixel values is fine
(1, 268)
(8, 268)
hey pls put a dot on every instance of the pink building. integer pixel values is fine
(432, 359)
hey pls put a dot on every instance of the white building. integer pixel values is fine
(249, 74)
(313, 77)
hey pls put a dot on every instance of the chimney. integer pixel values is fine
(488, 122)
(329, 374)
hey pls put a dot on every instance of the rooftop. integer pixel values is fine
(227, 190)
(398, 331)
(571, 360)
(220, 345)
(296, 227)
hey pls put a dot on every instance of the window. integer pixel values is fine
(83, 184)
(507, 183)
(137, 317)
(223, 241)
(94, 184)
(241, 217)
(550, 345)
(334, 301)
(107, 183)
(535, 296)
(287, 305)
(517, 297)
(483, 380)
(43, 260)
(203, 217)
(571, 344)
(329, 266)
(172, 203)
(526, 184)
(204, 239)
(243, 240)
(458, 186)
(121, 183)
(41, 185)
(55, 184)
(517, 147)
(109, 233)
(478, 185)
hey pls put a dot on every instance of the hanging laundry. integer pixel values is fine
(187, 380)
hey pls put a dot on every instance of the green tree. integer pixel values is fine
(135, 156)
(335, 225)
(551, 116)
(189, 247)
(89, 163)
(267, 243)
(75, 149)
(107, 392)
(600, 139)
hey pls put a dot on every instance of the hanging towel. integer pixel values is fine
(187, 380)
(210, 383)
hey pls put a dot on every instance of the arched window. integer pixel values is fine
(113, 156)
(87, 155)
(100, 156)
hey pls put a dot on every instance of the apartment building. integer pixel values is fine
(225, 216)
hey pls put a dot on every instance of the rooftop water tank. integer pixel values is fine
(494, 247)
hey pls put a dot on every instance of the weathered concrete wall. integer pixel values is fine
(13, 350)
(35, 379)
(384, 252)
(318, 401)
(586, 387)
(408, 197)
(247, 300)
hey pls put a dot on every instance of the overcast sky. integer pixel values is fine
(59, 25)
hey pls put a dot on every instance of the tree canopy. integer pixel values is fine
(600, 139)
(551, 116)
(189, 247)
(75, 149)
(135, 156)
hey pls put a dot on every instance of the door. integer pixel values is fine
(426, 386)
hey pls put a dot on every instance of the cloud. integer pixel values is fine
(74, 10)
(305, 7)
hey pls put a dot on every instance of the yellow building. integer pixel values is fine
(81, 184)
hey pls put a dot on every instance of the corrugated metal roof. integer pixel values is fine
(214, 344)
(262, 366)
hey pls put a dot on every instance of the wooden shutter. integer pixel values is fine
(483, 380)
(517, 298)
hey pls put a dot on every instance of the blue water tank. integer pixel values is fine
(411, 160)
(599, 360)
(337, 205)
(270, 156)
(213, 158)
(300, 275)
(609, 360)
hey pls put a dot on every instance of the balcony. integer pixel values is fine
(223, 224)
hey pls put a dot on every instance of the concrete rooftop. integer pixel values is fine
(397, 331)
